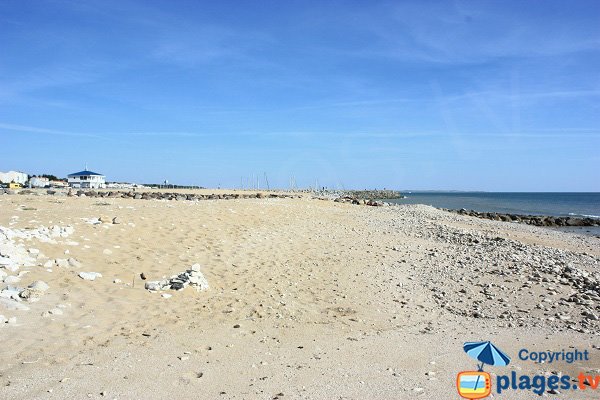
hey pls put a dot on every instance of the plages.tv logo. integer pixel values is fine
(478, 384)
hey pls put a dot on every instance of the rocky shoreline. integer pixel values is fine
(149, 195)
(356, 197)
(372, 194)
(537, 220)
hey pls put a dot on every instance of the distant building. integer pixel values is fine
(39, 182)
(13, 176)
(58, 184)
(87, 180)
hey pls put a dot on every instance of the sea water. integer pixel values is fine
(538, 203)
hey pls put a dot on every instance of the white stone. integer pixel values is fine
(196, 267)
(12, 305)
(34, 252)
(10, 292)
(11, 280)
(153, 285)
(74, 263)
(56, 311)
(3, 319)
(117, 281)
(39, 286)
(166, 295)
(90, 276)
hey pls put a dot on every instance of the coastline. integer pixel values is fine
(306, 298)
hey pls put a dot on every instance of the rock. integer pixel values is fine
(74, 263)
(166, 295)
(153, 286)
(3, 274)
(195, 268)
(34, 252)
(39, 286)
(10, 292)
(117, 280)
(89, 276)
(143, 276)
(30, 295)
(3, 319)
(116, 220)
(11, 280)
(12, 305)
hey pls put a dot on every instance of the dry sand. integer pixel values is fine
(308, 299)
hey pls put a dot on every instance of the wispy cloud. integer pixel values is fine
(44, 131)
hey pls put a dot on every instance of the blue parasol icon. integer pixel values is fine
(487, 353)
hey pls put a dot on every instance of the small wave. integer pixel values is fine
(585, 215)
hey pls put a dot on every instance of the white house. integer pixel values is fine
(87, 180)
(13, 176)
(39, 182)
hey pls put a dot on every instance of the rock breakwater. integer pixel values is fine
(537, 220)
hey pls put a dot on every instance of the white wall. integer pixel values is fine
(90, 181)
(39, 182)
(13, 176)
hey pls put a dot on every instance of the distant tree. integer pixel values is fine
(50, 177)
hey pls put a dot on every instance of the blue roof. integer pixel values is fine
(85, 173)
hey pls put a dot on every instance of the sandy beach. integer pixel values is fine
(307, 299)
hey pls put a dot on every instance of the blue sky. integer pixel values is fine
(470, 95)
